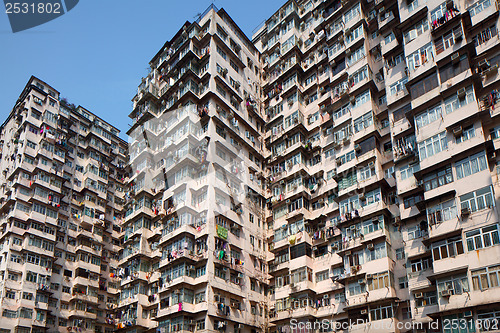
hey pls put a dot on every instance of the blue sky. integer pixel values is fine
(96, 54)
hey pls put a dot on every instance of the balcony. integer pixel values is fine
(411, 11)
(387, 47)
(386, 20)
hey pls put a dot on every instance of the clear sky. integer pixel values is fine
(96, 54)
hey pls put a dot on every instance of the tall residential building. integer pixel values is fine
(61, 188)
(194, 255)
(382, 131)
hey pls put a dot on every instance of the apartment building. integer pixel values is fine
(62, 188)
(332, 194)
(194, 256)
(381, 135)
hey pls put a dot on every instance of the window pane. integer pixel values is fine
(493, 280)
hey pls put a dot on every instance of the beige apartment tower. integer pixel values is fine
(62, 189)
(194, 245)
(381, 135)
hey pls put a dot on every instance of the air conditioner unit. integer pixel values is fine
(457, 131)
(455, 57)
(445, 293)
(419, 295)
(490, 71)
(465, 212)
(483, 64)
(370, 246)
(461, 93)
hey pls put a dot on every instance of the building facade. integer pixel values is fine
(62, 189)
(194, 254)
(381, 132)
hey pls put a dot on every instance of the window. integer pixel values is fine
(420, 57)
(363, 122)
(485, 278)
(398, 86)
(356, 55)
(416, 31)
(417, 231)
(467, 133)
(428, 116)
(471, 165)
(477, 200)
(428, 298)
(453, 69)
(443, 212)
(322, 276)
(478, 7)
(403, 282)
(408, 170)
(389, 38)
(221, 52)
(424, 86)
(482, 237)
(234, 66)
(454, 103)
(455, 284)
(352, 12)
(356, 289)
(485, 35)
(447, 248)
(400, 253)
(448, 39)
(421, 264)
(10, 294)
(9, 314)
(432, 146)
(381, 312)
(438, 178)
(366, 172)
(359, 75)
(27, 296)
(379, 281)
(488, 319)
